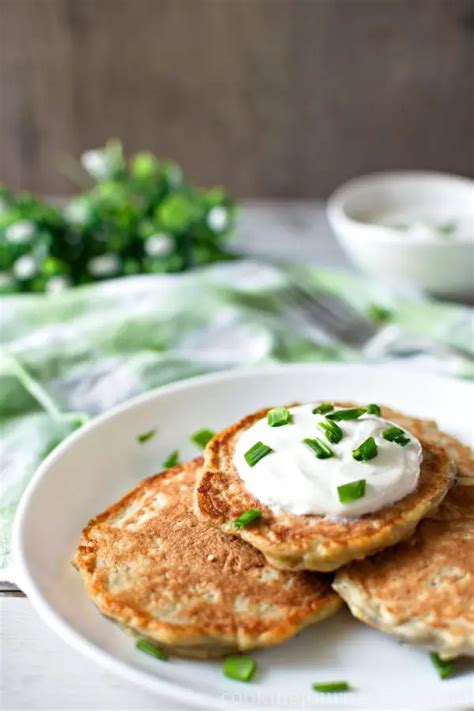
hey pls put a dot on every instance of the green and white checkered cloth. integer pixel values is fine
(68, 357)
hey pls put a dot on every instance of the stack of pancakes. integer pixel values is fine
(168, 563)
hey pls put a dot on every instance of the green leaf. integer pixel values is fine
(126, 205)
(144, 166)
(176, 213)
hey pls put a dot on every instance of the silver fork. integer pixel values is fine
(321, 312)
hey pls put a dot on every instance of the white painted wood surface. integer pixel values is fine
(37, 669)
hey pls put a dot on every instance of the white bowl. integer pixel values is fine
(441, 267)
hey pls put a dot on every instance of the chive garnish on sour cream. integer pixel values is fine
(202, 437)
(352, 491)
(331, 687)
(365, 451)
(352, 414)
(278, 416)
(256, 453)
(319, 448)
(395, 434)
(333, 432)
(246, 518)
(373, 409)
(239, 668)
(324, 408)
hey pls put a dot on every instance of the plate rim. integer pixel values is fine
(19, 565)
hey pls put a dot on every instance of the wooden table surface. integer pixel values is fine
(37, 669)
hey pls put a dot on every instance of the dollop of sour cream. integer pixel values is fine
(291, 478)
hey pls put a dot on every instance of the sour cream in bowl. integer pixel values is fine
(409, 228)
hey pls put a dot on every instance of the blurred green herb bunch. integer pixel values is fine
(135, 217)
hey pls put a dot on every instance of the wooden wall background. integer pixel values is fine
(269, 97)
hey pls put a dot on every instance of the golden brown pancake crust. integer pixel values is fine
(461, 454)
(314, 542)
(423, 589)
(150, 564)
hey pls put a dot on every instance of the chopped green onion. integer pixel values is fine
(146, 436)
(319, 448)
(144, 646)
(331, 687)
(333, 432)
(246, 518)
(278, 416)
(323, 408)
(239, 668)
(256, 453)
(373, 410)
(171, 460)
(444, 667)
(202, 437)
(365, 451)
(395, 434)
(352, 491)
(352, 414)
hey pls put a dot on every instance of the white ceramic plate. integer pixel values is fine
(103, 460)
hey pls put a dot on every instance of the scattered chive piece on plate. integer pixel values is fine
(146, 436)
(256, 453)
(373, 409)
(444, 667)
(333, 432)
(352, 491)
(365, 451)
(395, 434)
(246, 518)
(171, 460)
(278, 416)
(239, 668)
(323, 408)
(331, 687)
(202, 437)
(144, 646)
(319, 448)
(352, 414)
